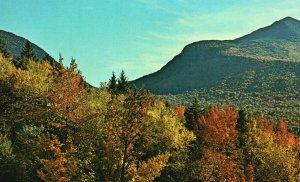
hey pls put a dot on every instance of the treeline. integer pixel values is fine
(27, 53)
(55, 128)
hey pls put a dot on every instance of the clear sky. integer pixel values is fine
(139, 36)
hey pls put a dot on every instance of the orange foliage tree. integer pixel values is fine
(179, 111)
(218, 128)
(66, 101)
(220, 138)
(283, 136)
(54, 167)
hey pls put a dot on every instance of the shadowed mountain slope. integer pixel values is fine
(14, 45)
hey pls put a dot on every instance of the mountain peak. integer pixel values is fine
(289, 19)
(287, 28)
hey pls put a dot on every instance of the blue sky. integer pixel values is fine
(139, 36)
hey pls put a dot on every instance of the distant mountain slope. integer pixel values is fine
(14, 45)
(270, 54)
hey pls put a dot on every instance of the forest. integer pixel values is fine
(55, 127)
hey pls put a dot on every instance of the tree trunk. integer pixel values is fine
(122, 177)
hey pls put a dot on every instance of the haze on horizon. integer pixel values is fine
(139, 36)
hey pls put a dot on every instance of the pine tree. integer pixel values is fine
(122, 82)
(192, 114)
(60, 60)
(112, 86)
(73, 64)
(242, 120)
(26, 54)
(50, 60)
(3, 49)
(60, 66)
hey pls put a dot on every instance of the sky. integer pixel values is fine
(138, 36)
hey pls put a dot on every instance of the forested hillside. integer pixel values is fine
(54, 128)
(270, 54)
(259, 72)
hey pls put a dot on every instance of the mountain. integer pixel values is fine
(268, 58)
(287, 28)
(14, 45)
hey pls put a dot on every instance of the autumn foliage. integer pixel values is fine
(54, 127)
(219, 134)
(218, 128)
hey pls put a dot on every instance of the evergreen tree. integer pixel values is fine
(26, 54)
(112, 86)
(122, 82)
(60, 59)
(3, 49)
(73, 64)
(50, 60)
(242, 120)
(192, 114)
(60, 66)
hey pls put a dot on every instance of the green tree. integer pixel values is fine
(112, 85)
(60, 66)
(73, 65)
(192, 114)
(26, 55)
(28, 52)
(60, 60)
(122, 82)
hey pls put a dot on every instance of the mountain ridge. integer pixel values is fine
(249, 52)
(288, 22)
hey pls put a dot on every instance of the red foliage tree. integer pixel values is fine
(179, 111)
(283, 136)
(218, 128)
(219, 134)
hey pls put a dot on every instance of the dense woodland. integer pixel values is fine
(272, 105)
(54, 127)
